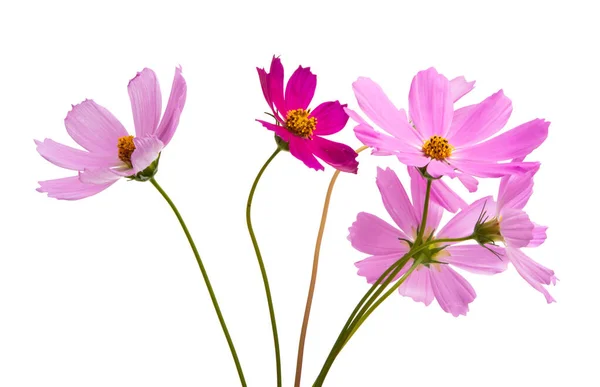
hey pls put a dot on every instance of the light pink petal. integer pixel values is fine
(75, 159)
(300, 149)
(418, 188)
(418, 285)
(70, 188)
(458, 120)
(384, 144)
(459, 87)
(94, 128)
(535, 274)
(331, 118)
(492, 169)
(515, 227)
(279, 130)
(339, 156)
(300, 89)
(476, 259)
(438, 168)
(468, 181)
(276, 86)
(538, 235)
(355, 116)
(396, 201)
(446, 197)
(373, 267)
(377, 106)
(451, 290)
(170, 119)
(98, 176)
(430, 103)
(518, 142)
(483, 120)
(373, 235)
(463, 223)
(146, 151)
(515, 190)
(146, 102)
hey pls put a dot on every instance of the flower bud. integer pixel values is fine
(147, 173)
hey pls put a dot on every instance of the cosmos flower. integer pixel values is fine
(386, 244)
(301, 128)
(110, 152)
(447, 142)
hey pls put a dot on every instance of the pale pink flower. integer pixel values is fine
(110, 152)
(447, 142)
(386, 244)
(301, 128)
(505, 221)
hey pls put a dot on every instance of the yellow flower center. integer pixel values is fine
(126, 147)
(299, 123)
(437, 148)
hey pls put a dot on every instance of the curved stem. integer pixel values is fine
(313, 277)
(262, 266)
(206, 281)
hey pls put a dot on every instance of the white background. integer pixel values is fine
(106, 292)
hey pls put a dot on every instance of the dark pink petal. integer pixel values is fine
(396, 201)
(372, 235)
(418, 286)
(70, 188)
(279, 130)
(98, 176)
(535, 274)
(75, 159)
(373, 267)
(518, 142)
(94, 128)
(476, 259)
(430, 103)
(170, 119)
(451, 290)
(539, 235)
(331, 118)
(463, 223)
(446, 197)
(146, 151)
(377, 106)
(418, 187)
(459, 87)
(482, 121)
(492, 169)
(515, 190)
(146, 102)
(264, 84)
(276, 86)
(515, 227)
(300, 89)
(301, 149)
(339, 156)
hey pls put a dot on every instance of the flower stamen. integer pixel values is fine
(299, 123)
(126, 147)
(438, 148)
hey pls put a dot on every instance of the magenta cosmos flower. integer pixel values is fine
(386, 244)
(505, 221)
(301, 128)
(110, 152)
(447, 142)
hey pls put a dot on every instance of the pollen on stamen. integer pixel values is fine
(126, 147)
(299, 123)
(438, 148)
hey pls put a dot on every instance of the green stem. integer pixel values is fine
(206, 281)
(425, 211)
(262, 266)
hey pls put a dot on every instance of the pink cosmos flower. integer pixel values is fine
(386, 244)
(505, 221)
(448, 142)
(300, 127)
(110, 152)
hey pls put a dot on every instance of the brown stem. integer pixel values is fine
(313, 277)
